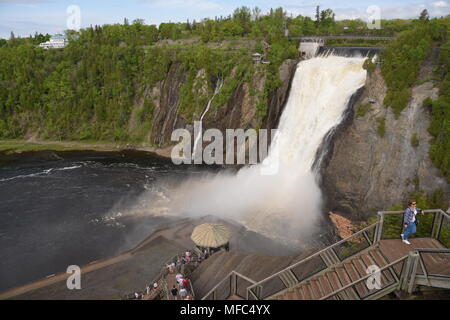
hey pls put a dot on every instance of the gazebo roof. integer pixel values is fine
(210, 235)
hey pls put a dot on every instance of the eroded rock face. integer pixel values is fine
(238, 113)
(366, 172)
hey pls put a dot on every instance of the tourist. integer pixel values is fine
(136, 295)
(185, 283)
(174, 292)
(178, 264)
(188, 253)
(188, 297)
(155, 285)
(147, 290)
(409, 221)
(180, 283)
(178, 277)
(187, 259)
(183, 293)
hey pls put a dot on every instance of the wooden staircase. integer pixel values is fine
(335, 278)
(348, 269)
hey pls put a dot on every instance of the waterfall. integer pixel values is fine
(200, 132)
(320, 92)
(285, 205)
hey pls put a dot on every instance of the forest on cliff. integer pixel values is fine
(97, 87)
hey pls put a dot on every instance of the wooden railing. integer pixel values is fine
(335, 254)
(407, 272)
(324, 259)
(234, 284)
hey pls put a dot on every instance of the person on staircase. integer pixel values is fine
(410, 221)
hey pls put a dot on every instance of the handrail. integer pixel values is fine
(244, 277)
(314, 255)
(228, 276)
(424, 211)
(433, 250)
(422, 263)
(218, 285)
(377, 237)
(390, 265)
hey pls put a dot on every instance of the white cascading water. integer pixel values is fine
(286, 205)
(197, 139)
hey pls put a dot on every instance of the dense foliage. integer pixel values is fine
(89, 89)
(96, 88)
(403, 57)
(440, 109)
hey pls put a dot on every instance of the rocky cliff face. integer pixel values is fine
(365, 171)
(362, 171)
(239, 111)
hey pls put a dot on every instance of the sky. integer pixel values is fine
(25, 17)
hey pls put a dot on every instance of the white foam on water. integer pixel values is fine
(286, 205)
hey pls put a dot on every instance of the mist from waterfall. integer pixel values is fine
(287, 205)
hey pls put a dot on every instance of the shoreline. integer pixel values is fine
(13, 146)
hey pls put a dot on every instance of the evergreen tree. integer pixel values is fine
(317, 16)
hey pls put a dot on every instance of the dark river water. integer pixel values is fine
(55, 209)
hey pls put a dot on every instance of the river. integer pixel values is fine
(63, 208)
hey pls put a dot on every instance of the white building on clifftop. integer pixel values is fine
(58, 41)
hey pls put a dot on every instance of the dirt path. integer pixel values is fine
(77, 145)
(62, 276)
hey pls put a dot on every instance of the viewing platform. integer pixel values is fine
(342, 271)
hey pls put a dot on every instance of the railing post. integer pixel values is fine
(412, 278)
(408, 276)
(233, 284)
(259, 292)
(437, 223)
(379, 229)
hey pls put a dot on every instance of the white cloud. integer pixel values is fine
(440, 4)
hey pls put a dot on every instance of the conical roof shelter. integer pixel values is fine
(210, 235)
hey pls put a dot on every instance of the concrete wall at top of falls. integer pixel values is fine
(349, 51)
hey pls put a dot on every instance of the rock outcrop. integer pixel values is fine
(239, 112)
(366, 171)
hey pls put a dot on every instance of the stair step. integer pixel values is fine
(315, 290)
(345, 280)
(378, 257)
(347, 275)
(299, 293)
(360, 287)
(335, 283)
(306, 292)
(359, 266)
(325, 284)
(368, 260)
